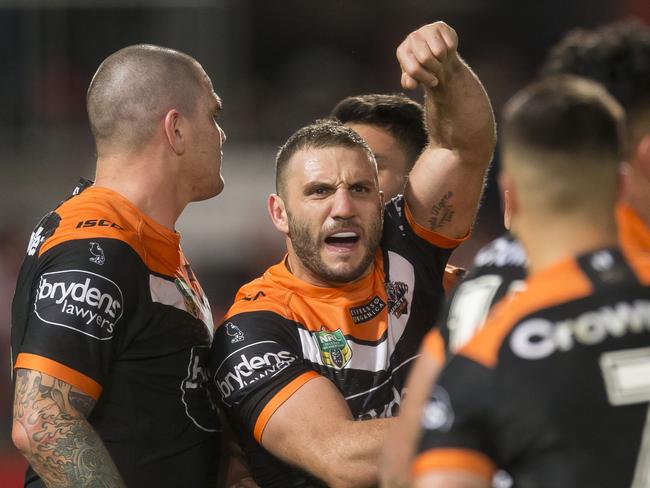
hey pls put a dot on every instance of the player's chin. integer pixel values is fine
(346, 268)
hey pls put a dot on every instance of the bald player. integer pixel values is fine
(110, 328)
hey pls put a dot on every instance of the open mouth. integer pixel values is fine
(343, 240)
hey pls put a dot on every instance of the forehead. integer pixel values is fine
(337, 164)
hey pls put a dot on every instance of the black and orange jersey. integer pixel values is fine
(281, 332)
(633, 232)
(107, 302)
(555, 387)
(498, 269)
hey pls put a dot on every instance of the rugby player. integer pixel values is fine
(325, 337)
(543, 389)
(618, 56)
(393, 127)
(110, 328)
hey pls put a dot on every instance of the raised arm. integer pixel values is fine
(446, 183)
(50, 429)
(315, 431)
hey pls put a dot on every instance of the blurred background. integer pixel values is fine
(277, 66)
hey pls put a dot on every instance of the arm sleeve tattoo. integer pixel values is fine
(62, 446)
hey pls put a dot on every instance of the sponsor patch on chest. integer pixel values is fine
(367, 311)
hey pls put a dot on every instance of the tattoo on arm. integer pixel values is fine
(63, 447)
(442, 212)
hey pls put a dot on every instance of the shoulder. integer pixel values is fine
(561, 283)
(90, 215)
(505, 251)
(261, 295)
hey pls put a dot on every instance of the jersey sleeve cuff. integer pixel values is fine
(454, 460)
(430, 236)
(276, 402)
(59, 371)
(433, 346)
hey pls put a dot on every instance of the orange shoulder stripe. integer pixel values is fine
(87, 216)
(103, 213)
(454, 460)
(59, 371)
(430, 236)
(557, 284)
(258, 296)
(276, 402)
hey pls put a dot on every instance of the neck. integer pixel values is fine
(144, 183)
(637, 194)
(548, 240)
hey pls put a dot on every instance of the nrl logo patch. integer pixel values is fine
(333, 347)
(367, 311)
(398, 305)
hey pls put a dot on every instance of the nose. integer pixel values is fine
(222, 135)
(342, 206)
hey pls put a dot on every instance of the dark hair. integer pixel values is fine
(616, 55)
(565, 114)
(398, 114)
(322, 133)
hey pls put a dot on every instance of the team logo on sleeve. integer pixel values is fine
(398, 304)
(234, 332)
(81, 301)
(333, 347)
(97, 253)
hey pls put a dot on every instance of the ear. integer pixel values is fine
(509, 200)
(175, 131)
(623, 180)
(278, 213)
(382, 198)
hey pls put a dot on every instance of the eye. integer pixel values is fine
(359, 188)
(318, 191)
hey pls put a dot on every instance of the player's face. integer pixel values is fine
(334, 212)
(392, 160)
(207, 144)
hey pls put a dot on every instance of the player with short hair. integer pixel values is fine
(325, 338)
(543, 389)
(110, 328)
(393, 127)
(617, 55)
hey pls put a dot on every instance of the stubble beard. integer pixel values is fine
(307, 248)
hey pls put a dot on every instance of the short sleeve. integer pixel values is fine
(457, 423)
(77, 302)
(256, 365)
(426, 250)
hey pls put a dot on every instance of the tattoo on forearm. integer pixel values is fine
(64, 449)
(442, 212)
